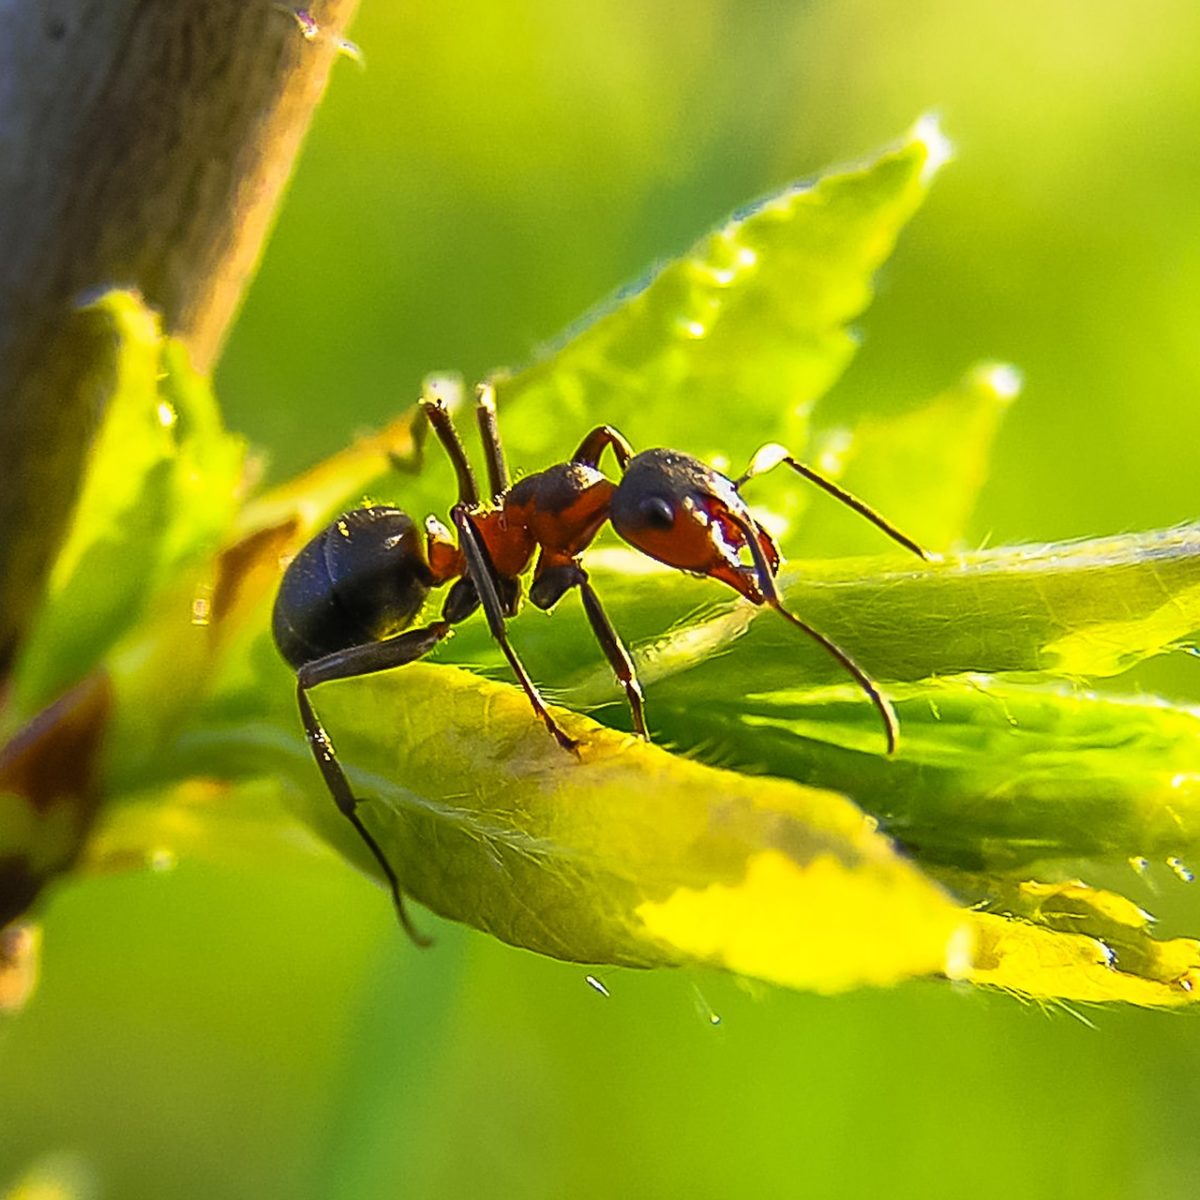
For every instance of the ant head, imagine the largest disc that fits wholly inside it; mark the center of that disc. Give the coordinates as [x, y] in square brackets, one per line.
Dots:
[676, 509]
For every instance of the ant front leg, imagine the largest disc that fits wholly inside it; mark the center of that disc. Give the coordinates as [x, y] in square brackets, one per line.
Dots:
[366, 659]
[439, 417]
[488, 585]
[772, 455]
[489, 433]
[617, 654]
[550, 585]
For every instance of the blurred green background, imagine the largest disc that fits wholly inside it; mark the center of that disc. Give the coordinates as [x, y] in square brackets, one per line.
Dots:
[261, 1030]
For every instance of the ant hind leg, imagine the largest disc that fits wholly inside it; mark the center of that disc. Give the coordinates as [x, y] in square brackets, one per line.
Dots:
[348, 664]
[617, 654]
[553, 582]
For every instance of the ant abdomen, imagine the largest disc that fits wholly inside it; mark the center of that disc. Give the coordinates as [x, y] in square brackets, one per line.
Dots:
[362, 578]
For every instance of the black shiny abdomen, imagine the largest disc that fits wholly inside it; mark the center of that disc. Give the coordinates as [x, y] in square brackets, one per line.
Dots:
[362, 578]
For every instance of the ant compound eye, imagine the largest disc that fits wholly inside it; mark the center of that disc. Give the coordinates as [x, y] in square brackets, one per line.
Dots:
[657, 511]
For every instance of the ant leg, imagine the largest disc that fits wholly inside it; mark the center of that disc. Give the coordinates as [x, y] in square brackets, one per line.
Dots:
[617, 654]
[772, 455]
[347, 664]
[550, 585]
[766, 583]
[483, 575]
[489, 433]
[593, 446]
[439, 417]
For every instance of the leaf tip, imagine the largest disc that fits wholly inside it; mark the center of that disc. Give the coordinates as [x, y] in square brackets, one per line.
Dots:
[939, 149]
[1002, 380]
[124, 309]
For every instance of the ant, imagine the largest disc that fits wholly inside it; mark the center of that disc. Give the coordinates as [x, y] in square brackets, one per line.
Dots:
[348, 598]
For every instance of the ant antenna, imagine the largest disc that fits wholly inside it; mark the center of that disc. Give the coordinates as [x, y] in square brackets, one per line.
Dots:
[772, 454]
[766, 584]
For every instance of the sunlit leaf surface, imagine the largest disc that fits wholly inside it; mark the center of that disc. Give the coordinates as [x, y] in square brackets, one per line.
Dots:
[622, 854]
[813, 860]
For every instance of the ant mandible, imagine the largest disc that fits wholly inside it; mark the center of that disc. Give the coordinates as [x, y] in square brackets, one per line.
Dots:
[347, 599]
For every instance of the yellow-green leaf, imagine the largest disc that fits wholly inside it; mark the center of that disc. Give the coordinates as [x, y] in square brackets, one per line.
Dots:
[728, 345]
[625, 854]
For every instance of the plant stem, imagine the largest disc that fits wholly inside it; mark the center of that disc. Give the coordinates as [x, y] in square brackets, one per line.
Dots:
[145, 144]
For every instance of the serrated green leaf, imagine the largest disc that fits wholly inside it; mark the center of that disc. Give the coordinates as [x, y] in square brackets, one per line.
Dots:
[924, 469]
[728, 346]
[633, 856]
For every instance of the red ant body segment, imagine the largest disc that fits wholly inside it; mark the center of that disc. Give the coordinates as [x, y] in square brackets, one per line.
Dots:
[347, 600]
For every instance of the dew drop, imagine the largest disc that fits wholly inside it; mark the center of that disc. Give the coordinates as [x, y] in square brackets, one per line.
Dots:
[1004, 379]
[938, 147]
[162, 858]
[704, 1010]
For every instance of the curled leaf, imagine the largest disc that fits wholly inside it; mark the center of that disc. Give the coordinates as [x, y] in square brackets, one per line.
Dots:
[991, 774]
[1092, 607]
[1030, 960]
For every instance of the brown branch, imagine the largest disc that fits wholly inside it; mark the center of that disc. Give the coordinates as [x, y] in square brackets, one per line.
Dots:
[142, 143]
